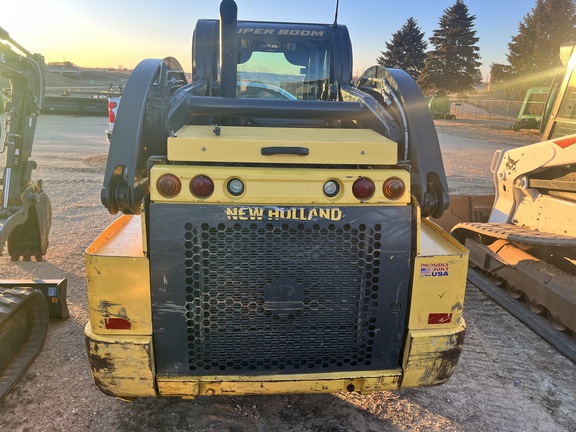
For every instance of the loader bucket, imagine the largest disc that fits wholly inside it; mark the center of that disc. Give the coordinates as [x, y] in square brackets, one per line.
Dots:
[466, 208]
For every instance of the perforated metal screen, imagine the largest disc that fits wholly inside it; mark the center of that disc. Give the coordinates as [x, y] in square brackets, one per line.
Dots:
[279, 296]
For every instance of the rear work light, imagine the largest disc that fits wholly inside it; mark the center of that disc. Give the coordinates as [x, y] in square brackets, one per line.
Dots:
[168, 185]
[363, 188]
[235, 187]
[331, 188]
[393, 188]
[201, 186]
[111, 116]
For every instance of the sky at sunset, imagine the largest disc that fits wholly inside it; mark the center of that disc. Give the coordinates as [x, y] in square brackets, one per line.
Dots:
[108, 33]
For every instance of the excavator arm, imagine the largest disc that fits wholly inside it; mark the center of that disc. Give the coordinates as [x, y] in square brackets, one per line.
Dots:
[25, 212]
[25, 216]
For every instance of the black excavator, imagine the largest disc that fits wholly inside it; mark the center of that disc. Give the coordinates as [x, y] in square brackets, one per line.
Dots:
[25, 218]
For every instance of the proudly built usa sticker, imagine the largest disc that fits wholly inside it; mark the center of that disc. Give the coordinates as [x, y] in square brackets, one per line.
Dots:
[434, 269]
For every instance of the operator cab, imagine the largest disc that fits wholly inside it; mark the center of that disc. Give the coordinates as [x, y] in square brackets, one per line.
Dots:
[279, 60]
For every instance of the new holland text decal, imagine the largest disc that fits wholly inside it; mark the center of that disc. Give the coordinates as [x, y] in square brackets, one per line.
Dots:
[434, 269]
[279, 213]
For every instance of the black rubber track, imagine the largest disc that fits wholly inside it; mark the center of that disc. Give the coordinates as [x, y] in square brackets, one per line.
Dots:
[23, 327]
[563, 342]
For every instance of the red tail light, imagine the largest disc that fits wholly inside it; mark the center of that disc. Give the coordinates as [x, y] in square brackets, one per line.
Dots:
[111, 115]
[168, 185]
[363, 188]
[202, 186]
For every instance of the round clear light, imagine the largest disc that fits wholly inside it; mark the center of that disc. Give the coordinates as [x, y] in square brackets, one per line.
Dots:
[331, 188]
[236, 187]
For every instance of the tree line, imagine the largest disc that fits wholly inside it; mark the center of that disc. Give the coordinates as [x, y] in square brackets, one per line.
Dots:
[452, 65]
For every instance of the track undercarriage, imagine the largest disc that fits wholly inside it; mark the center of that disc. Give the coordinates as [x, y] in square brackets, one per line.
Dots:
[534, 268]
[527, 245]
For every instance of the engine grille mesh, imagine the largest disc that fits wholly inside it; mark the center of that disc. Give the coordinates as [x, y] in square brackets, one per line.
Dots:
[231, 328]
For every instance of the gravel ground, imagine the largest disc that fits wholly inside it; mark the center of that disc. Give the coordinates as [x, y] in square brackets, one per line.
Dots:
[508, 379]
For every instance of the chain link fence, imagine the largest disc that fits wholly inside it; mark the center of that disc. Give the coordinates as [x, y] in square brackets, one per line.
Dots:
[485, 109]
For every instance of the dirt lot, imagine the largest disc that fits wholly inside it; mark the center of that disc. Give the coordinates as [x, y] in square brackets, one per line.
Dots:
[508, 379]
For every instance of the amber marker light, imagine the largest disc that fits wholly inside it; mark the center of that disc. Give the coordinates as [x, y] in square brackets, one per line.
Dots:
[363, 188]
[201, 186]
[168, 185]
[393, 188]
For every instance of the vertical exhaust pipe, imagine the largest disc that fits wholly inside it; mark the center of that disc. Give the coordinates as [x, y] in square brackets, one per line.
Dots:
[228, 48]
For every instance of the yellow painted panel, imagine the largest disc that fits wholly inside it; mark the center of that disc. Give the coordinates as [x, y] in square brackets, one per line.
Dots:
[121, 366]
[278, 186]
[244, 144]
[439, 280]
[431, 355]
[118, 279]
[436, 241]
[123, 237]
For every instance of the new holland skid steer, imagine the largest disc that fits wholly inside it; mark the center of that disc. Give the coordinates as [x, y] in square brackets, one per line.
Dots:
[275, 235]
[25, 217]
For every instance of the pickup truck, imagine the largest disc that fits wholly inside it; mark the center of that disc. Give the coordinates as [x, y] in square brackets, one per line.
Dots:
[113, 103]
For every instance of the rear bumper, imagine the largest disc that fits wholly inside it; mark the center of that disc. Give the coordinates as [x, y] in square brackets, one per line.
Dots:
[123, 366]
[432, 355]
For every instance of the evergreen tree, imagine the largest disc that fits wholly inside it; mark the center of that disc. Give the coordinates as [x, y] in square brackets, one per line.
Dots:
[453, 65]
[501, 78]
[406, 50]
[533, 52]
